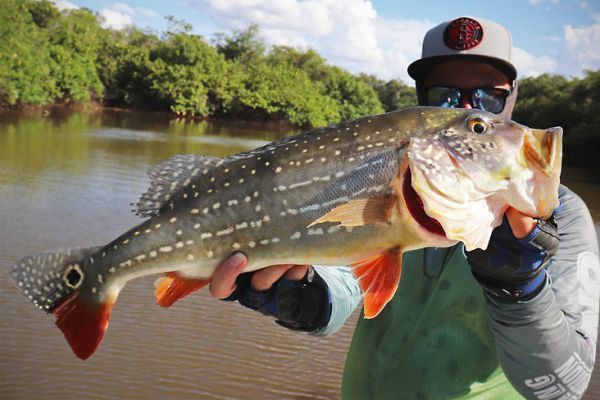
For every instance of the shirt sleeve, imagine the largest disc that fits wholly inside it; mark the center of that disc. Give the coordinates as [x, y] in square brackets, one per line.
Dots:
[344, 293]
[547, 345]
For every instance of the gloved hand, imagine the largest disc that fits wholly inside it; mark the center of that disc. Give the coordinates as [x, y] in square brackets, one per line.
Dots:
[512, 268]
[303, 305]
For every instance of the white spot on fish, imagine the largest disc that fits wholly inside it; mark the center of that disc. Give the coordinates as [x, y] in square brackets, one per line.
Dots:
[196, 226]
[189, 242]
[318, 231]
[232, 203]
[251, 244]
[190, 257]
[210, 254]
[172, 220]
[236, 246]
[243, 225]
[257, 208]
[241, 180]
[205, 210]
[310, 208]
[153, 254]
[100, 278]
[227, 231]
[275, 240]
[179, 245]
[205, 235]
[264, 242]
[179, 232]
[247, 199]
[278, 170]
[296, 235]
[166, 249]
[333, 229]
[127, 263]
[266, 218]
[216, 206]
[111, 270]
[299, 184]
[140, 258]
[194, 211]
[136, 233]
[125, 241]
[94, 290]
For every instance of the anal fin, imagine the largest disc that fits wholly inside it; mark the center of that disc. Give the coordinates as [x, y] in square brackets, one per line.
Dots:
[378, 278]
[172, 287]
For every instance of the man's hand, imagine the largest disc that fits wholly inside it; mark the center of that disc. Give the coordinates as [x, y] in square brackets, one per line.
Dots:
[512, 266]
[223, 282]
[293, 294]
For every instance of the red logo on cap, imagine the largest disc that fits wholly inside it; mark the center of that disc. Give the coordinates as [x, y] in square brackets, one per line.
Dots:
[463, 34]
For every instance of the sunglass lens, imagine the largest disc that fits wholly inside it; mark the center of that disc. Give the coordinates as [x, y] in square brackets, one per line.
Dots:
[439, 96]
[491, 100]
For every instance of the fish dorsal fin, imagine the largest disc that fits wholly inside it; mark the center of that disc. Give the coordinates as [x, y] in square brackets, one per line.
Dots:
[169, 177]
[378, 278]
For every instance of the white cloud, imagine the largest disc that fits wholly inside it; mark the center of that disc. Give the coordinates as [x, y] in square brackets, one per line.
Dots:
[114, 19]
[122, 8]
[528, 64]
[349, 33]
[127, 9]
[581, 47]
[64, 5]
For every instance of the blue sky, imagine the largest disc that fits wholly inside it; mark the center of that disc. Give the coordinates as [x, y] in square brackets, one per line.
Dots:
[381, 36]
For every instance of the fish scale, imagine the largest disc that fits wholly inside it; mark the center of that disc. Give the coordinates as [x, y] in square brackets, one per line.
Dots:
[357, 193]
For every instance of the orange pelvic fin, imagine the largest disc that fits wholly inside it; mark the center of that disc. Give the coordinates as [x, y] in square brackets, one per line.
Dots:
[172, 287]
[359, 212]
[83, 323]
[378, 278]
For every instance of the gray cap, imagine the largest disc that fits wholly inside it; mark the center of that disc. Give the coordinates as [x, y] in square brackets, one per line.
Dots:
[466, 38]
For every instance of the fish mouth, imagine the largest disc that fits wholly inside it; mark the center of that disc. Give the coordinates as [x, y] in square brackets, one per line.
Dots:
[414, 204]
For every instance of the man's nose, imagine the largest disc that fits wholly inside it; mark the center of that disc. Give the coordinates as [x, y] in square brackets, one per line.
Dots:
[465, 101]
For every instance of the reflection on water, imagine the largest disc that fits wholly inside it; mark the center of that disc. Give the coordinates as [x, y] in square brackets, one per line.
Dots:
[67, 182]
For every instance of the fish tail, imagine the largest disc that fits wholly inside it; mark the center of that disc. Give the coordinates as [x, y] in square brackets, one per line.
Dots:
[172, 287]
[61, 283]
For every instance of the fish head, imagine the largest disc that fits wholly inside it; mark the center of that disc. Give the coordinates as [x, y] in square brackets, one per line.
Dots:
[468, 171]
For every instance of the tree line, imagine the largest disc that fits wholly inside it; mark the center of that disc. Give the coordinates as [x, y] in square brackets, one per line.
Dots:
[53, 57]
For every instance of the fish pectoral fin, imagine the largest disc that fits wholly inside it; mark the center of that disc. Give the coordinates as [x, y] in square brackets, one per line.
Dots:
[378, 278]
[172, 287]
[359, 212]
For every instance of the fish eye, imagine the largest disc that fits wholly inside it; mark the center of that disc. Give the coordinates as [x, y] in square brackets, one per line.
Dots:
[478, 126]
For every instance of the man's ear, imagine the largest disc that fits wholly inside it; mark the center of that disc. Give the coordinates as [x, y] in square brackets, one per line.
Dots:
[509, 106]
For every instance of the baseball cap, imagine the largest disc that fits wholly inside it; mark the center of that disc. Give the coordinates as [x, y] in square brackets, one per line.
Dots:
[466, 38]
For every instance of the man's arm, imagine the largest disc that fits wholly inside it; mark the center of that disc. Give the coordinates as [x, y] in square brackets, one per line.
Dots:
[546, 345]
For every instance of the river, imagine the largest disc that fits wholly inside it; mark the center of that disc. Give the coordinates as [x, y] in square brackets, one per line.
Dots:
[67, 180]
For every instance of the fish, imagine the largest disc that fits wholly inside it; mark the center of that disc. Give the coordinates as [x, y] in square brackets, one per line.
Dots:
[357, 193]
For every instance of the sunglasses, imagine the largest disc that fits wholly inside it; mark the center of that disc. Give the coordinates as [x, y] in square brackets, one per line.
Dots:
[485, 99]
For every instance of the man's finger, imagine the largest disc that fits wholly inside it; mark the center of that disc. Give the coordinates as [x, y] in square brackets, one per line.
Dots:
[521, 224]
[222, 283]
[296, 273]
[264, 278]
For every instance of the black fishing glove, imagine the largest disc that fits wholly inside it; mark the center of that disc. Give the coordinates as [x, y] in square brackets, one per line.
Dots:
[512, 268]
[303, 305]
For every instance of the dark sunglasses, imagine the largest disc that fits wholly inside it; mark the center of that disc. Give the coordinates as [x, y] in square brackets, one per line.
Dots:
[486, 99]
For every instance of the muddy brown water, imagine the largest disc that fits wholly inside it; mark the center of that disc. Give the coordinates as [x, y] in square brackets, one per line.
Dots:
[67, 181]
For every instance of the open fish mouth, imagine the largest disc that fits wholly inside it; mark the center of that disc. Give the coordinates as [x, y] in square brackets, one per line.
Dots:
[415, 206]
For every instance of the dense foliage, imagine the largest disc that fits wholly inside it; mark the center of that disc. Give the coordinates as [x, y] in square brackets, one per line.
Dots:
[48, 57]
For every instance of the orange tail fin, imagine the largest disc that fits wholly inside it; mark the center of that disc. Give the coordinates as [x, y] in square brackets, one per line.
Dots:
[82, 323]
[172, 287]
[378, 278]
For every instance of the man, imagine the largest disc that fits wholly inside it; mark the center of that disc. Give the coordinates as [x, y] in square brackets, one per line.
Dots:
[530, 331]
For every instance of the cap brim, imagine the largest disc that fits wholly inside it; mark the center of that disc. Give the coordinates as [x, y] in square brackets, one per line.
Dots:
[419, 68]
